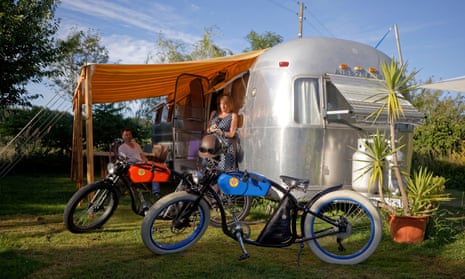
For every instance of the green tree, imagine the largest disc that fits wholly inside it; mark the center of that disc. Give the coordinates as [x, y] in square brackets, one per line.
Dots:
[206, 48]
[37, 130]
[168, 51]
[266, 40]
[27, 47]
[444, 127]
[78, 49]
[58, 133]
[108, 120]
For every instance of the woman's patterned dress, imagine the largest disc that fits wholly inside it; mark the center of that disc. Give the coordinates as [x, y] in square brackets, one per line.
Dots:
[228, 159]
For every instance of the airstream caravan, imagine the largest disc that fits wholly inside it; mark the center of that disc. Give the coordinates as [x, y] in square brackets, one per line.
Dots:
[303, 108]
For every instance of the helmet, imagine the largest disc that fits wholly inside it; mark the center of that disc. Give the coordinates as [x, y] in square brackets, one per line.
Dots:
[211, 146]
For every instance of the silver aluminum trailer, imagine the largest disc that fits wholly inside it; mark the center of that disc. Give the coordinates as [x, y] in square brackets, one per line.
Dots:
[304, 105]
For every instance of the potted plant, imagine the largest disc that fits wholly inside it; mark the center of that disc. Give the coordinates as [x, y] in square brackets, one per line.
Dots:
[425, 193]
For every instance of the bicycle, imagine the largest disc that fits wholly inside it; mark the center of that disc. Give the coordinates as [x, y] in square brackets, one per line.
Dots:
[93, 205]
[339, 226]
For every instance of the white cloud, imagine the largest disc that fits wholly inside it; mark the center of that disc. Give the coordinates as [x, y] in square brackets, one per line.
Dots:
[146, 19]
[126, 50]
[109, 10]
[151, 17]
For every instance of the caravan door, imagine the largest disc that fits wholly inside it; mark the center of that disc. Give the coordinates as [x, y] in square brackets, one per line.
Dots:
[189, 117]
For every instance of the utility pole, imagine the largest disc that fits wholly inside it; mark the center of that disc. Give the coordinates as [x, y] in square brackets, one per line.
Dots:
[301, 19]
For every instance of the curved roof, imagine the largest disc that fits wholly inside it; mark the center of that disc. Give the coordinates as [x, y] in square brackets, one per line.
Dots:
[320, 55]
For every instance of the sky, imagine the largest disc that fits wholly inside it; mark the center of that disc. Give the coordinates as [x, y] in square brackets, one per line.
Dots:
[431, 32]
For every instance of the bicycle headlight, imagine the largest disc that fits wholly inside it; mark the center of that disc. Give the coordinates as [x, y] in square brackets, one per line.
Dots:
[197, 176]
[111, 168]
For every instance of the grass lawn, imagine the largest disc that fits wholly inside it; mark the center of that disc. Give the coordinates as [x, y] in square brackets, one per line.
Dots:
[35, 244]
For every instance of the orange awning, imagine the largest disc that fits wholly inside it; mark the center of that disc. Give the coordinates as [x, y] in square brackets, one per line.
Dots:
[108, 83]
[118, 82]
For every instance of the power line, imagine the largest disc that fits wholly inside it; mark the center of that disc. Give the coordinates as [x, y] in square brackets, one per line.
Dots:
[313, 16]
[282, 6]
[304, 19]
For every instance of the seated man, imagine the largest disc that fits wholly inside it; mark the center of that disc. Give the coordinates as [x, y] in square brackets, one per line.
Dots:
[133, 151]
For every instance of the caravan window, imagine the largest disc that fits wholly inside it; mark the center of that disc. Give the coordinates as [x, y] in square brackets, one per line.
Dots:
[337, 106]
[306, 100]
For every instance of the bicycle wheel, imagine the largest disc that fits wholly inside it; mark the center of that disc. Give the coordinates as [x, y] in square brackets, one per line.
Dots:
[239, 205]
[173, 225]
[90, 207]
[355, 239]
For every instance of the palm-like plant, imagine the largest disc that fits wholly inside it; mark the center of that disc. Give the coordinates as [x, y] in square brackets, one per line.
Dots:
[376, 152]
[426, 192]
[398, 84]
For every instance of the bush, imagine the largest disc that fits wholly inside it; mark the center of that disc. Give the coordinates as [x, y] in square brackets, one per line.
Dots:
[36, 163]
[443, 226]
[452, 170]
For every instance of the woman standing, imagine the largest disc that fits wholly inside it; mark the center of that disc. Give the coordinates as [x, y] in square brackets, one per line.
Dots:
[224, 123]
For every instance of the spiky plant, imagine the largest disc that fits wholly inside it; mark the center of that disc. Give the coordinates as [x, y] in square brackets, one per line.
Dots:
[376, 151]
[425, 192]
[398, 84]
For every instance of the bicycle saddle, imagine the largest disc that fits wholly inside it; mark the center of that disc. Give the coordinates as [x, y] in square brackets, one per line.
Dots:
[293, 181]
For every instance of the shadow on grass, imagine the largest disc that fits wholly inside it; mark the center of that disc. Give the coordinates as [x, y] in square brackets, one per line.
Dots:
[14, 265]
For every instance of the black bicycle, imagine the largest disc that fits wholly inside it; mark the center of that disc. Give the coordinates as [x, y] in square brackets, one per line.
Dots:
[339, 226]
[93, 205]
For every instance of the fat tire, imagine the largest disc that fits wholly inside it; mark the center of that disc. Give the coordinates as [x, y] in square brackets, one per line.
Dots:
[366, 228]
[75, 209]
[158, 229]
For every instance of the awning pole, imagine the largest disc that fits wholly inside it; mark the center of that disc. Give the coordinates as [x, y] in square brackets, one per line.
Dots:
[89, 127]
[77, 166]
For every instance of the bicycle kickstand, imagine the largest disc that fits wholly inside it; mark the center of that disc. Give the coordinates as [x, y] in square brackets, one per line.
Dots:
[245, 254]
[239, 233]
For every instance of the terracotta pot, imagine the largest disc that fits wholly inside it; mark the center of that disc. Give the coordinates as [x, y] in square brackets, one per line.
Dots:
[407, 229]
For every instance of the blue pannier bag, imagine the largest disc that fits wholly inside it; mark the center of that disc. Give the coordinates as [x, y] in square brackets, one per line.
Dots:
[232, 183]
